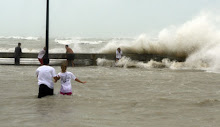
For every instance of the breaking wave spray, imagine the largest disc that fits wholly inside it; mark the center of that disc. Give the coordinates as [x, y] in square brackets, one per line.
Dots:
[198, 40]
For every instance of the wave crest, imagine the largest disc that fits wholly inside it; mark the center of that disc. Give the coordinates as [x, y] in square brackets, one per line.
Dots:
[19, 37]
[198, 40]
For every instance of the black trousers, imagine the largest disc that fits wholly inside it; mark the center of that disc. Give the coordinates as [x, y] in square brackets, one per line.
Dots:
[44, 90]
[17, 60]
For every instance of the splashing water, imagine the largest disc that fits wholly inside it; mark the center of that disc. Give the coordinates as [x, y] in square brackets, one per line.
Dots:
[198, 40]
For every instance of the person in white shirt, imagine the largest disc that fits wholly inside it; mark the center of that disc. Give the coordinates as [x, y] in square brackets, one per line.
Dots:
[118, 54]
[45, 75]
[65, 77]
[41, 55]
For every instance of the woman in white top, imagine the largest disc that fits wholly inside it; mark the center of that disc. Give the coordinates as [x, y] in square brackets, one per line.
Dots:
[118, 54]
[65, 77]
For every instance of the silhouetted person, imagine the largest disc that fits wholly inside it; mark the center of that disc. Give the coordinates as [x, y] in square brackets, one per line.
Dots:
[18, 52]
[69, 55]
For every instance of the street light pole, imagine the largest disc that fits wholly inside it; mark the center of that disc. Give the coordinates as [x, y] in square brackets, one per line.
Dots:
[47, 30]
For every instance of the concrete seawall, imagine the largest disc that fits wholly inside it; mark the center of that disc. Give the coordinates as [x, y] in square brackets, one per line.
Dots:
[90, 58]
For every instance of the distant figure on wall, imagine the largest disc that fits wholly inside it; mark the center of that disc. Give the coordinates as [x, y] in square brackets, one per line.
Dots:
[69, 55]
[118, 54]
[41, 55]
[17, 55]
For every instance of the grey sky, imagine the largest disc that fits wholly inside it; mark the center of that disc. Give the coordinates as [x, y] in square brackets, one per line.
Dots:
[69, 18]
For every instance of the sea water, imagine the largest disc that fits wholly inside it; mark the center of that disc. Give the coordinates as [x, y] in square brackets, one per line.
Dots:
[124, 94]
[112, 97]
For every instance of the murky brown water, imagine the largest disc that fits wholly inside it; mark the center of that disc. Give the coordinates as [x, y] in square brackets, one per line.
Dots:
[113, 97]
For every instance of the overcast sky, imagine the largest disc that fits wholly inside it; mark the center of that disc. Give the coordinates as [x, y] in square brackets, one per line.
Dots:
[69, 18]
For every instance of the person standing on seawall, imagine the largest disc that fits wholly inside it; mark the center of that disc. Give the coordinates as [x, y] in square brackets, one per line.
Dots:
[118, 54]
[17, 54]
[69, 55]
[41, 55]
[46, 75]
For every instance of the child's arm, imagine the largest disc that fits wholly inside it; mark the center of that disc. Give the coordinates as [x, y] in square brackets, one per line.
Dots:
[79, 81]
[56, 78]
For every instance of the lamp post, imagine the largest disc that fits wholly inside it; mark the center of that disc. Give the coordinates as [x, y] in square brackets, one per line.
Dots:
[47, 30]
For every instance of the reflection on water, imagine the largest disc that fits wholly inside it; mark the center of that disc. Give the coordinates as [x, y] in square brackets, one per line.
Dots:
[112, 97]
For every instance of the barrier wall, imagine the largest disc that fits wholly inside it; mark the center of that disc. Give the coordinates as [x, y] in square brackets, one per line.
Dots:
[91, 57]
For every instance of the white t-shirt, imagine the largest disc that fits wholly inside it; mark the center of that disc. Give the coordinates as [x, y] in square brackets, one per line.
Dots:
[65, 79]
[45, 75]
[41, 54]
[118, 54]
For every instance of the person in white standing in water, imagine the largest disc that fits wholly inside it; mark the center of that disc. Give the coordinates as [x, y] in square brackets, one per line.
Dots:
[45, 75]
[118, 54]
[41, 55]
[65, 76]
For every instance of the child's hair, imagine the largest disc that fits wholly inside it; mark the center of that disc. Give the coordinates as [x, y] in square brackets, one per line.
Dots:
[63, 67]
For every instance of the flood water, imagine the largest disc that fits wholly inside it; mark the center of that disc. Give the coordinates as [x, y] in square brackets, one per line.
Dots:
[112, 97]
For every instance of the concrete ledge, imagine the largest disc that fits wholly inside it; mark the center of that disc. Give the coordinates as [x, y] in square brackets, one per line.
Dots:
[90, 58]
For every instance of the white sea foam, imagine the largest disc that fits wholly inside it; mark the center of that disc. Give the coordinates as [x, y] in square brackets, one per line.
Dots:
[19, 37]
[105, 62]
[180, 40]
[30, 50]
[33, 50]
[126, 62]
[76, 41]
[7, 49]
[197, 39]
